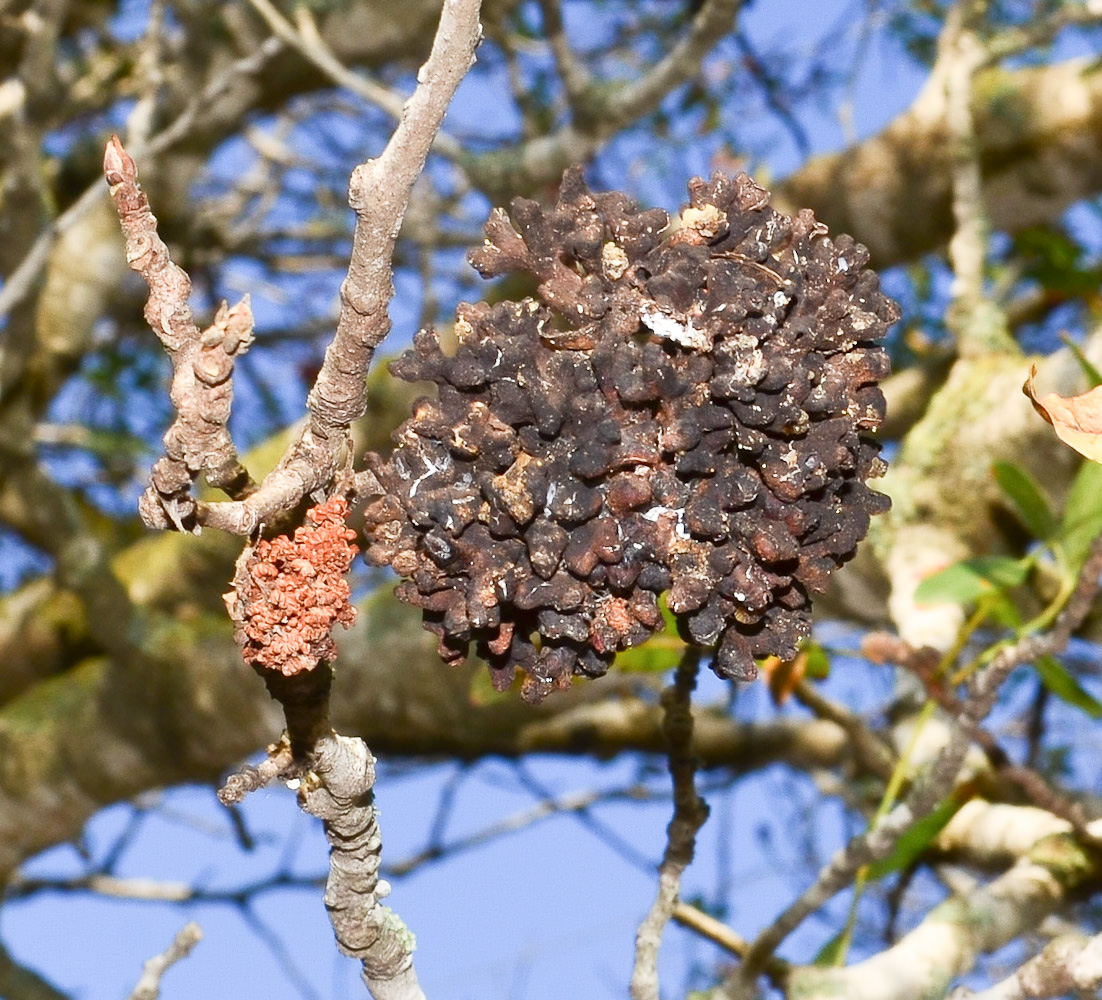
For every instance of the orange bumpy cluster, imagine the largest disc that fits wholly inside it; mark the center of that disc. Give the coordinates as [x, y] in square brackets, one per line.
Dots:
[295, 591]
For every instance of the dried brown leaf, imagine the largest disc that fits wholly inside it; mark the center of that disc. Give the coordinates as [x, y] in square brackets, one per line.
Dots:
[1077, 420]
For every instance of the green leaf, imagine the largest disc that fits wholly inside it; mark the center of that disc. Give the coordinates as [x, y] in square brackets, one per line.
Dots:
[817, 665]
[1027, 498]
[967, 581]
[1001, 609]
[1055, 676]
[659, 653]
[834, 951]
[482, 692]
[918, 838]
[1094, 376]
[1082, 514]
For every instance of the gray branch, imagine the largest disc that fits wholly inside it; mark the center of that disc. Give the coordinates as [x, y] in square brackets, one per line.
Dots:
[149, 986]
[338, 792]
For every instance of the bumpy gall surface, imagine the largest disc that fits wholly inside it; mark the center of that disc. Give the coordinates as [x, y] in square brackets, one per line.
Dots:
[294, 591]
[678, 413]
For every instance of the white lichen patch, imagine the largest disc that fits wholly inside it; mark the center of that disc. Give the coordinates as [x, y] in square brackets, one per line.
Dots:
[861, 321]
[614, 261]
[672, 513]
[463, 329]
[748, 359]
[669, 328]
[708, 220]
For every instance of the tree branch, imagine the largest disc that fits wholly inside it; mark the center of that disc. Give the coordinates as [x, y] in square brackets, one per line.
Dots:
[202, 361]
[689, 813]
[20, 983]
[1072, 963]
[925, 962]
[338, 791]
[881, 838]
[193, 710]
[539, 161]
[21, 281]
[975, 320]
[893, 191]
[149, 986]
[307, 40]
[379, 193]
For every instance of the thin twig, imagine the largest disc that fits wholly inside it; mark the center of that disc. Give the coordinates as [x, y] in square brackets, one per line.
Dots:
[277, 948]
[202, 361]
[880, 839]
[577, 81]
[694, 919]
[604, 832]
[543, 158]
[21, 281]
[277, 764]
[149, 70]
[149, 986]
[973, 317]
[379, 192]
[1036, 788]
[1039, 31]
[307, 41]
[872, 750]
[689, 813]
[714, 20]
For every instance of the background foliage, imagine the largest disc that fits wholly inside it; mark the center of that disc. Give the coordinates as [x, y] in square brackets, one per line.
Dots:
[523, 841]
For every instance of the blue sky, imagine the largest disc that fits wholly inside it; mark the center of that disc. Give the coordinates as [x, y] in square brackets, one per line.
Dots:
[548, 912]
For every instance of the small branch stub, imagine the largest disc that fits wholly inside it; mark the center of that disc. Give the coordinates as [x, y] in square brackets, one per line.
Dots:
[198, 442]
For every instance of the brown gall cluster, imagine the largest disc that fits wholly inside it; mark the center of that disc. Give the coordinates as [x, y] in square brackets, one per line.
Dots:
[681, 410]
[292, 593]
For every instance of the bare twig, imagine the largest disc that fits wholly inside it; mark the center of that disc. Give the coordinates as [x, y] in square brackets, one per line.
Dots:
[604, 832]
[716, 931]
[708, 927]
[379, 192]
[714, 20]
[576, 79]
[278, 950]
[149, 986]
[202, 361]
[20, 282]
[1068, 964]
[542, 159]
[984, 688]
[1038, 31]
[307, 40]
[880, 839]
[874, 753]
[977, 322]
[774, 88]
[690, 812]
[1037, 789]
[924, 663]
[338, 791]
[277, 764]
[150, 74]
